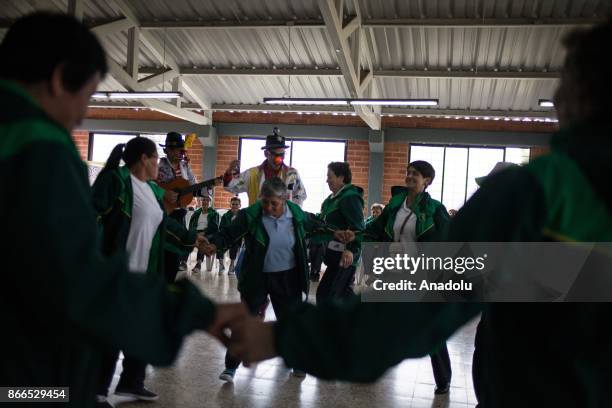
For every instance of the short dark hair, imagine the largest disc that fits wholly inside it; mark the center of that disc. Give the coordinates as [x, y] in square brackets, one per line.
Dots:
[235, 199]
[38, 43]
[273, 187]
[341, 169]
[424, 168]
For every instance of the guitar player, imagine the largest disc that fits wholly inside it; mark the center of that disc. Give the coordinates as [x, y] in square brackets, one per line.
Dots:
[172, 166]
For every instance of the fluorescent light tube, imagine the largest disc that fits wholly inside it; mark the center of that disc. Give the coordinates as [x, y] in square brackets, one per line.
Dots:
[395, 102]
[546, 104]
[305, 101]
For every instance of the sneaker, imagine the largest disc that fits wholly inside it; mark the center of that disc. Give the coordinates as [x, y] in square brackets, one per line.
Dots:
[102, 402]
[196, 268]
[182, 266]
[298, 373]
[228, 375]
[139, 393]
[221, 268]
[231, 268]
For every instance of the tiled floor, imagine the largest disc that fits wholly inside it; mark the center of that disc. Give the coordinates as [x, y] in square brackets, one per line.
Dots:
[193, 380]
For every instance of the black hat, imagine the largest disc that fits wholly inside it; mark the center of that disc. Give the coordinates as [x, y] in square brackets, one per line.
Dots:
[274, 141]
[173, 139]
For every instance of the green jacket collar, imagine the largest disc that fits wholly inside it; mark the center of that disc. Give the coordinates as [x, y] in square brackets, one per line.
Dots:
[331, 202]
[423, 206]
[127, 195]
[255, 226]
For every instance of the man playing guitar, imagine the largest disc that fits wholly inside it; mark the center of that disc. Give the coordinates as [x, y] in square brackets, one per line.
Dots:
[171, 167]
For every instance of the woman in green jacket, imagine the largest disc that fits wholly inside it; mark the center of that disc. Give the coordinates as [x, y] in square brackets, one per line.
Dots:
[413, 216]
[342, 210]
[132, 219]
[275, 261]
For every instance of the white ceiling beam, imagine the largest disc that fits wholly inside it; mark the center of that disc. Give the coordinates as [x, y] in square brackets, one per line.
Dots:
[346, 57]
[365, 23]
[365, 80]
[177, 86]
[475, 74]
[133, 52]
[75, 8]
[385, 111]
[248, 71]
[158, 79]
[479, 22]
[159, 52]
[379, 23]
[117, 72]
[384, 73]
[112, 27]
[344, 110]
[198, 97]
[350, 27]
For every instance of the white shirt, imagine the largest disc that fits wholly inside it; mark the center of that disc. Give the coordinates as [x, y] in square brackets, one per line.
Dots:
[146, 217]
[202, 221]
[409, 233]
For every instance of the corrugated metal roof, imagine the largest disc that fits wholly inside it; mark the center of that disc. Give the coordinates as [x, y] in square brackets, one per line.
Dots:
[531, 49]
[259, 48]
[393, 9]
[460, 93]
[534, 49]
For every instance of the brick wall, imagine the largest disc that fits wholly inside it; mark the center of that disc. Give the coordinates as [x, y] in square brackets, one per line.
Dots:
[81, 139]
[394, 172]
[196, 154]
[537, 151]
[227, 150]
[358, 157]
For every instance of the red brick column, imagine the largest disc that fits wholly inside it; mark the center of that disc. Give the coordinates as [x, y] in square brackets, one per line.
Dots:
[395, 162]
[227, 150]
[358, 157]
[81, 140]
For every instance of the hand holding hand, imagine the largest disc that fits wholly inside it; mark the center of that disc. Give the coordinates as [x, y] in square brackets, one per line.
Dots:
[347, 259]
[226, 315]
[344, 236]
[252, 340]
[201, 239]
[208, 249]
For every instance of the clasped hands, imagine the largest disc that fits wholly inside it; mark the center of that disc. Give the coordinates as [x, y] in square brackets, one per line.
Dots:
[345, 236]
[246, 337]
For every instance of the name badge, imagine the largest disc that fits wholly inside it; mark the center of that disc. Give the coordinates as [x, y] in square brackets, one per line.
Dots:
[336, 246]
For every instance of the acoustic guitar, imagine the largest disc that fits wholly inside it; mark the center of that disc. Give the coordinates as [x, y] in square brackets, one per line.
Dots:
[185, 191]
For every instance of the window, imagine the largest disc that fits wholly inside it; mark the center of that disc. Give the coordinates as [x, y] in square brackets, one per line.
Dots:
[104, 143]
[309, 157]
[458, 166]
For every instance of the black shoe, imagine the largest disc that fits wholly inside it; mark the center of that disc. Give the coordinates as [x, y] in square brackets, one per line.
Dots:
[102, 402]
[139, 393]
[314, 277]
[442, 390]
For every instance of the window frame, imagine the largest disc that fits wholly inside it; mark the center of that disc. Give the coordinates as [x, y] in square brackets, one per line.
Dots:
[465, 146]
[291, 140]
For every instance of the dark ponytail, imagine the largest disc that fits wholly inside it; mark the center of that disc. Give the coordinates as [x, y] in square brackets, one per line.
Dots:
[130, 152]
[115, 157]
